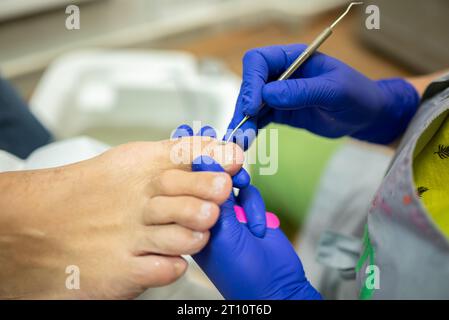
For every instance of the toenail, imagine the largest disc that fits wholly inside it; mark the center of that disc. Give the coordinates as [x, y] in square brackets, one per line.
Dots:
[206, 210]
[219, 183]
[198, 236]
[179, 267]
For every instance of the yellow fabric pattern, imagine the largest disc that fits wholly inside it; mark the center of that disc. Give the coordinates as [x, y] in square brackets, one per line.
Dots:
[431, 171]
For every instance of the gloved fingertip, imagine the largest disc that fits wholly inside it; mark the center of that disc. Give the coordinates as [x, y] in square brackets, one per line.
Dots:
[207, 131]
[206, 163]
[250, 110]
[258, 230]
[244, 138]
[183, 130]
[234, 138]
[241, 179]
[252, 202]
[251, 102]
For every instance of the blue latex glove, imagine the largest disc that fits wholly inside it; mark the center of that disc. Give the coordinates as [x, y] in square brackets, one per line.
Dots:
[243, 266]
[240, 262]
[256, 221]
[325, 96]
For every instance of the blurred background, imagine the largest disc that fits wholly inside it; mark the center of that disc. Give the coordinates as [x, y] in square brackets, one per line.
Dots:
[138, 68]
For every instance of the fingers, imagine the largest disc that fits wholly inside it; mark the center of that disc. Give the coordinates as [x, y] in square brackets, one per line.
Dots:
[185, 130]
[280, 58]
[241, 179]
[171, 239]
[252, 202]
[154, 271]
[207, 131]
[181, 152]
[212, 186]
[256, 72]
[300, 93]
[182, 131]
[245, 135]
[260, 66]
[264, 65]
[190, 212]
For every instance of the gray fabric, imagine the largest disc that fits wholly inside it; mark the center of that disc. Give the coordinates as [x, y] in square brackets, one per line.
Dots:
[339, 252]
[409, 250]
[341, 203]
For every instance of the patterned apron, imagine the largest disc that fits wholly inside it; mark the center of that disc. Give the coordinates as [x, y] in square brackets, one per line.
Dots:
[404, 253]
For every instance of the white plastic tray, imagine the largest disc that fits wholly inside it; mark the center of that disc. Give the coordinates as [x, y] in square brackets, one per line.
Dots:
[120, 96]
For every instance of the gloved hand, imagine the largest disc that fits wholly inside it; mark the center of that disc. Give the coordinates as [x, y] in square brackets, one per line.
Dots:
[325, 96]
[257, 223]
[243, 266]
[241, 263]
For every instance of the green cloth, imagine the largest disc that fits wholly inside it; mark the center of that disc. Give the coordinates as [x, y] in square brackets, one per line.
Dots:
[302, 160]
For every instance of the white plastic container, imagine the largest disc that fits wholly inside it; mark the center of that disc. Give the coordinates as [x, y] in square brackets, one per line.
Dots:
[121, 96]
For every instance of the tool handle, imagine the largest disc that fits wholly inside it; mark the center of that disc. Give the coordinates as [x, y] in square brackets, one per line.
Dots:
[311, 49]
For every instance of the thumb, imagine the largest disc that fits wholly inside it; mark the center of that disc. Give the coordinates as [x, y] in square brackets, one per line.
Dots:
[298, 93]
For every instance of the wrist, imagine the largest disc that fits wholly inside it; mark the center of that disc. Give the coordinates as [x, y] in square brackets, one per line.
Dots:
[400, 101]
[422, 83]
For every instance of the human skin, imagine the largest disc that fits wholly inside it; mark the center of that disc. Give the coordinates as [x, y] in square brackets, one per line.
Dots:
[422, 82]
[123, 218]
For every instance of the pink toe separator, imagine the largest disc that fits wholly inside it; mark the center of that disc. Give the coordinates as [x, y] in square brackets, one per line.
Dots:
[272, 220]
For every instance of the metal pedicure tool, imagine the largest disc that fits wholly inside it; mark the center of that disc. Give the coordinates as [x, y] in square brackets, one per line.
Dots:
[309, 51]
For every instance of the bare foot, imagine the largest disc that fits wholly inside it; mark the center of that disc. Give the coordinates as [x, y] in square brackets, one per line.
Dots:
[122, 219]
